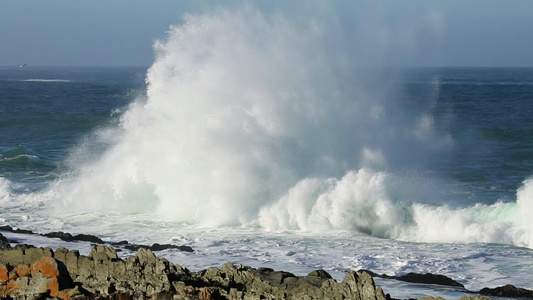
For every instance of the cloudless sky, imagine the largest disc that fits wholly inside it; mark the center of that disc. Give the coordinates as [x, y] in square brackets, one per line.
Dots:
[397, 33]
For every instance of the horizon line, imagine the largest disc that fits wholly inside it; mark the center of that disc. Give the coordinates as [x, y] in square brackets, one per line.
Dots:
[364, 67]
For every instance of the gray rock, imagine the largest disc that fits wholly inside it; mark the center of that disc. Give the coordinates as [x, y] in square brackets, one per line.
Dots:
[100, 252]
[317, 277]
[85, 268]
[102, 274]
[241, 282]
[32, 255]
[61, 254]
[71, 262]
[12, 256]
[360, 285]
[476, 297]
[118, 270]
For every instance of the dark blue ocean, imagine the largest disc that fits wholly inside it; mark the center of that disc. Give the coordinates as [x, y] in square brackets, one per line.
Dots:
[46, 111]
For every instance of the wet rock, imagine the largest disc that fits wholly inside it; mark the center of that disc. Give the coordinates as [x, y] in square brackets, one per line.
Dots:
[135, 247]
[121, 243]
[6, 228]
[427, 278]
[88, 238]
[67, 237]
[4, 244]
[507, 291]
[15, 230]
[157, 247]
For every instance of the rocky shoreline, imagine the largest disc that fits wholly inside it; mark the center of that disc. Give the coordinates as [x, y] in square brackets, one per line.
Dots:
[27, 272]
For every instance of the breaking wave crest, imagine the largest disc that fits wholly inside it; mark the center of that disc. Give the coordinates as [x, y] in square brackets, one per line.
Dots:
[365, 202]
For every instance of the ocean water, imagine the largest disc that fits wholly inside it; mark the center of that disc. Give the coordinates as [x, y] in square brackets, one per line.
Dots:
[253, 141]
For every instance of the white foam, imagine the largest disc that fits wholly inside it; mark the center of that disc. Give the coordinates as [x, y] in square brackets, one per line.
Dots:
[475, 265]
[242, 110]
[46, 80]
[366, 202]
[359, 202]
[498, 223]
[4, 190]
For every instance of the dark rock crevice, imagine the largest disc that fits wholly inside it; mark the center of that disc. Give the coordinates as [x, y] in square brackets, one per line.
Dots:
[67, 237]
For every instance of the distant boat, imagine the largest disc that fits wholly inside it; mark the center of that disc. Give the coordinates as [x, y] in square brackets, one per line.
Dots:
[22, 66]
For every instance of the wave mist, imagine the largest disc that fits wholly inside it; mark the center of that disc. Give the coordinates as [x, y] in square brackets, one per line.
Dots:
[254, 120]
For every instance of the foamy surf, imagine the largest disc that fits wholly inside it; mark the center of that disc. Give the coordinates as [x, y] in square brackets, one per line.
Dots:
[46, 80]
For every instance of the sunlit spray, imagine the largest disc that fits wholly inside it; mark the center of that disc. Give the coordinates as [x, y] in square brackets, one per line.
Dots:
[253, 120]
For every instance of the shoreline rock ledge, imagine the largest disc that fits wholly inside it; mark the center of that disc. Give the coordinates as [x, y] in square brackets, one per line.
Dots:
[40, 273]
[27, 272]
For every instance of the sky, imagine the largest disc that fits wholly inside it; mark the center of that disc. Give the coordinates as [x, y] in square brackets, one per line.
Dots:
[423, 33]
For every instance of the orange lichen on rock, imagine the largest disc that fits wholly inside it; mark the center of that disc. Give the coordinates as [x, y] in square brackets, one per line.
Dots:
[53, 286]
[22, 270]
[25, 280]
[204, 294]
[70, 293]
[46, 266]
[4, 273]
[65, 295]
[11, 288]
